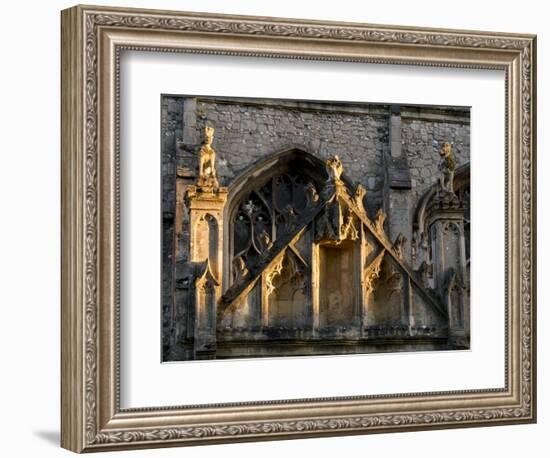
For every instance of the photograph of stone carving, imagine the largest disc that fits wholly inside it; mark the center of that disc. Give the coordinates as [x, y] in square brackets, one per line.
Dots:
[301, 228]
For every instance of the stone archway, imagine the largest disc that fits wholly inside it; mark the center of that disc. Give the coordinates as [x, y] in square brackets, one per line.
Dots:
[262, 205]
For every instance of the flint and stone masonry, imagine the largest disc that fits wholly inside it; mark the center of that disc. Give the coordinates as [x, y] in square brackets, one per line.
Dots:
[304, 228]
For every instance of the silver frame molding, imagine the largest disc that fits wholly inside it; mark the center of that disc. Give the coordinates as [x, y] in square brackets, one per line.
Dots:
[92, 39]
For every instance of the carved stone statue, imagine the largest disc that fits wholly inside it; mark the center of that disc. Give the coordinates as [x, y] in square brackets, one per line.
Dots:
[334, 168]
[207, 161]
[447, 167]
[289, 217]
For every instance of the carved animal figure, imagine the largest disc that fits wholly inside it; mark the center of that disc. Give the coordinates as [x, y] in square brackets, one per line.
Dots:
[447, 167]
[207, 160]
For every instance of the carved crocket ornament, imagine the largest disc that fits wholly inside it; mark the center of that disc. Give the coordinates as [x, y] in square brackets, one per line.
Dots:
[207, 161]
[358, 197]
[379, 220]
[447, 167]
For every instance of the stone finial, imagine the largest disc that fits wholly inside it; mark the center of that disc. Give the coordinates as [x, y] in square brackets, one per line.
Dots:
[207, 161]
[447, 167]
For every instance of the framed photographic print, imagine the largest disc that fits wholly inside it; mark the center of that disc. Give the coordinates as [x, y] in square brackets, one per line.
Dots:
[278, 228]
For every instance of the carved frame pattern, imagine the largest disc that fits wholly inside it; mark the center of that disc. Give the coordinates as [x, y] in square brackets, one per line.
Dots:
[92, 38]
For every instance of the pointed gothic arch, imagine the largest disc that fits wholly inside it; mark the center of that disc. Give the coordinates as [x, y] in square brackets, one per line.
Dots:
[262, 201]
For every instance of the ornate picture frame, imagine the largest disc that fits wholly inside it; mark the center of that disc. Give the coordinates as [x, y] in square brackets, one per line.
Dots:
[92, 40]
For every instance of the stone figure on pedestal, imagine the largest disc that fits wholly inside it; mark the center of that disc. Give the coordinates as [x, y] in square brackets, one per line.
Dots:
[207, 161]
[447, 167]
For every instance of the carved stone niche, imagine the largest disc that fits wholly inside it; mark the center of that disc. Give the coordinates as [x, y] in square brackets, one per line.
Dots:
[448, 252]
[184, 315]
[206, 293]
[455, 299]
[287, 292]
[206, 225]
[206, 249]
[437, 200]
[337, 255]
[339, 285]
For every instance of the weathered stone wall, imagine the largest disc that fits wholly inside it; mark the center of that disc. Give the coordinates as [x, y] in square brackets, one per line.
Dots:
[422, 141]
[395, 171]
[248, 132]
[171, 130]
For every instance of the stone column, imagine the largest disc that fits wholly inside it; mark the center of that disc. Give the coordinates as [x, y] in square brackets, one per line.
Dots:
[446, 226]
[397, 185]
[190, 135]
[408, 303]
[395, 131]
[206, 252]
[315, 288]
[366, 289]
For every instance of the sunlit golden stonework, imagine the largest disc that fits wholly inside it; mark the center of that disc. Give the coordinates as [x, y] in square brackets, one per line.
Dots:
[292, 257]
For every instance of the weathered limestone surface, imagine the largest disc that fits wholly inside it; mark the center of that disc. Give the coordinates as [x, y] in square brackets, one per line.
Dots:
[421, 143]
[391, 152]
